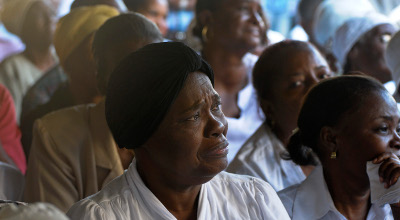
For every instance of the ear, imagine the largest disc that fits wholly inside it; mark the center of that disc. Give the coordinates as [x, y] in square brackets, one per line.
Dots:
[353, 54]
[205, 18]
[267, 107]
[328, 139]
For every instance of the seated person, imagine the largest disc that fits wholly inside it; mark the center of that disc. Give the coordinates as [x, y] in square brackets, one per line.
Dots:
[346, 121]
[73, 153]
[280, 88]
[33, 22]
[161, 103]
[360, 45]
[73, 43]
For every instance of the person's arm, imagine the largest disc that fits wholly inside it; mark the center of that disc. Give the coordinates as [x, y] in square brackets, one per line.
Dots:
[49, 175]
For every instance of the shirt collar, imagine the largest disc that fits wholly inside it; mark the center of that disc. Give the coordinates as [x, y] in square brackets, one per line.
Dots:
[313, 192]
[313, 200]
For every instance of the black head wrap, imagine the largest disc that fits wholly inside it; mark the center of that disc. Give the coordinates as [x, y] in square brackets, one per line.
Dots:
[144, 86]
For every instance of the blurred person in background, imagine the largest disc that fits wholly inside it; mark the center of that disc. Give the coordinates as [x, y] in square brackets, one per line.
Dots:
[33, 21]
[282, 77]
[73, 42]
[73, 152]
[360, 45]
[229, 31]
[155, 10]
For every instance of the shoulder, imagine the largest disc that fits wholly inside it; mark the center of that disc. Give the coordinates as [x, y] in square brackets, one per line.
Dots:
[288, 196]
[13, 62]
[72, 116]
[65, 127]
[108, 203]
[248, 185]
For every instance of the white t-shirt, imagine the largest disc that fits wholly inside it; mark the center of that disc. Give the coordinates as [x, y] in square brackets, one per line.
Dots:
[226, 196]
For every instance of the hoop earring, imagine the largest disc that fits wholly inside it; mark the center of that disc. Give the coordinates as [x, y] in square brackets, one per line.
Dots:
[333, 155]
[204, 32]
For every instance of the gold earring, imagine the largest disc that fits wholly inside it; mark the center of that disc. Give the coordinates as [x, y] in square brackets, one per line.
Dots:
[333, 155]
[204, 33]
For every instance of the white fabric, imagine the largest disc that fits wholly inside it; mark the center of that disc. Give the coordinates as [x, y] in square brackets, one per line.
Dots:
[274, 37]
[18, 74]
[11, 182]
[331, 14]
[351, 32]
[226, 196]
[261, 157]
[379, 194]
[311, 200]
[36, 211]
[392, 57]
[390, 87]
[298, 33]
[385, 6]
[251, 117]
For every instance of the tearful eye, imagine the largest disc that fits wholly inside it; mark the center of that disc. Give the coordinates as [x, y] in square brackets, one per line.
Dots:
[296, 84]
[217, 107]
[194, 117]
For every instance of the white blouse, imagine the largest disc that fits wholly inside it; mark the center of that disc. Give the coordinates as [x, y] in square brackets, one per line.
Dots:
[226, 196]
[251, 116]
[261, 156]
[311, 200]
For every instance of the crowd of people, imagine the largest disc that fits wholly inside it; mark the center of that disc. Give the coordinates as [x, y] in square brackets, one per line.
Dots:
[103, 117]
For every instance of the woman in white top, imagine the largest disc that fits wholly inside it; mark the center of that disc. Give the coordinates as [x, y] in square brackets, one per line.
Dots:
[346, 121]
[161, 103]
[229, 31]
[280, 88]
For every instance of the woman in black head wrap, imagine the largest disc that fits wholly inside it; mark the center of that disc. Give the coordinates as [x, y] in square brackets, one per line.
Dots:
[161, 102]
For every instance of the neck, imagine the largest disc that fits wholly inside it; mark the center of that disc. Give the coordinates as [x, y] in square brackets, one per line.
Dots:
[83, 94]
[41, 58]
[180, 200]
[230, 75]
[351, 197]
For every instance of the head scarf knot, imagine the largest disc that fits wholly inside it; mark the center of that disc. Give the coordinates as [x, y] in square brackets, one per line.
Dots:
[143, 87]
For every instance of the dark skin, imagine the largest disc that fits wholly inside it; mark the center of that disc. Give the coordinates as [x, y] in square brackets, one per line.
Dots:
[368, 54]
[361, 135]
[157, 11]
[301, 71]
[81, 70]
[188, 149]
[234, 29]
[37, 35]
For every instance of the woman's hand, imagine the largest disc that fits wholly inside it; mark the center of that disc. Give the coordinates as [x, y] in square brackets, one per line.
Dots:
[389, 171]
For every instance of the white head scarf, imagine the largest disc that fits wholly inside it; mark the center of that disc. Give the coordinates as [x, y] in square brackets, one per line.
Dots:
[392, 57]
[351, 32]
[331, 14]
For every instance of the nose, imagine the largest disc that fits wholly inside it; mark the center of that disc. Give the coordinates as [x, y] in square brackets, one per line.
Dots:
[216, 126]
[256, 18]
[394, 144]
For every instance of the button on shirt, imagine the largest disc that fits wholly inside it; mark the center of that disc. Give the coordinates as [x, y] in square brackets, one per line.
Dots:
[311, 200]
[226, 196]
[261, 156]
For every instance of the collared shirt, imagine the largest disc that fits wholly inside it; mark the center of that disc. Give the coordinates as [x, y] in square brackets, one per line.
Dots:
[226, 196]
[312, 200]
[261, 156]
[251, 116]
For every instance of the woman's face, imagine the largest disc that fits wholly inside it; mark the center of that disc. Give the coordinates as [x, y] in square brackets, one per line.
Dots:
[370, 58]
[299, 72]
[368, 131]
[39, 26]
[157, 12]
[190, 145]
[239, 22]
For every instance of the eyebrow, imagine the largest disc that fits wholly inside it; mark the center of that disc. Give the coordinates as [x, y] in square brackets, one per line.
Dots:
[198, 104]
